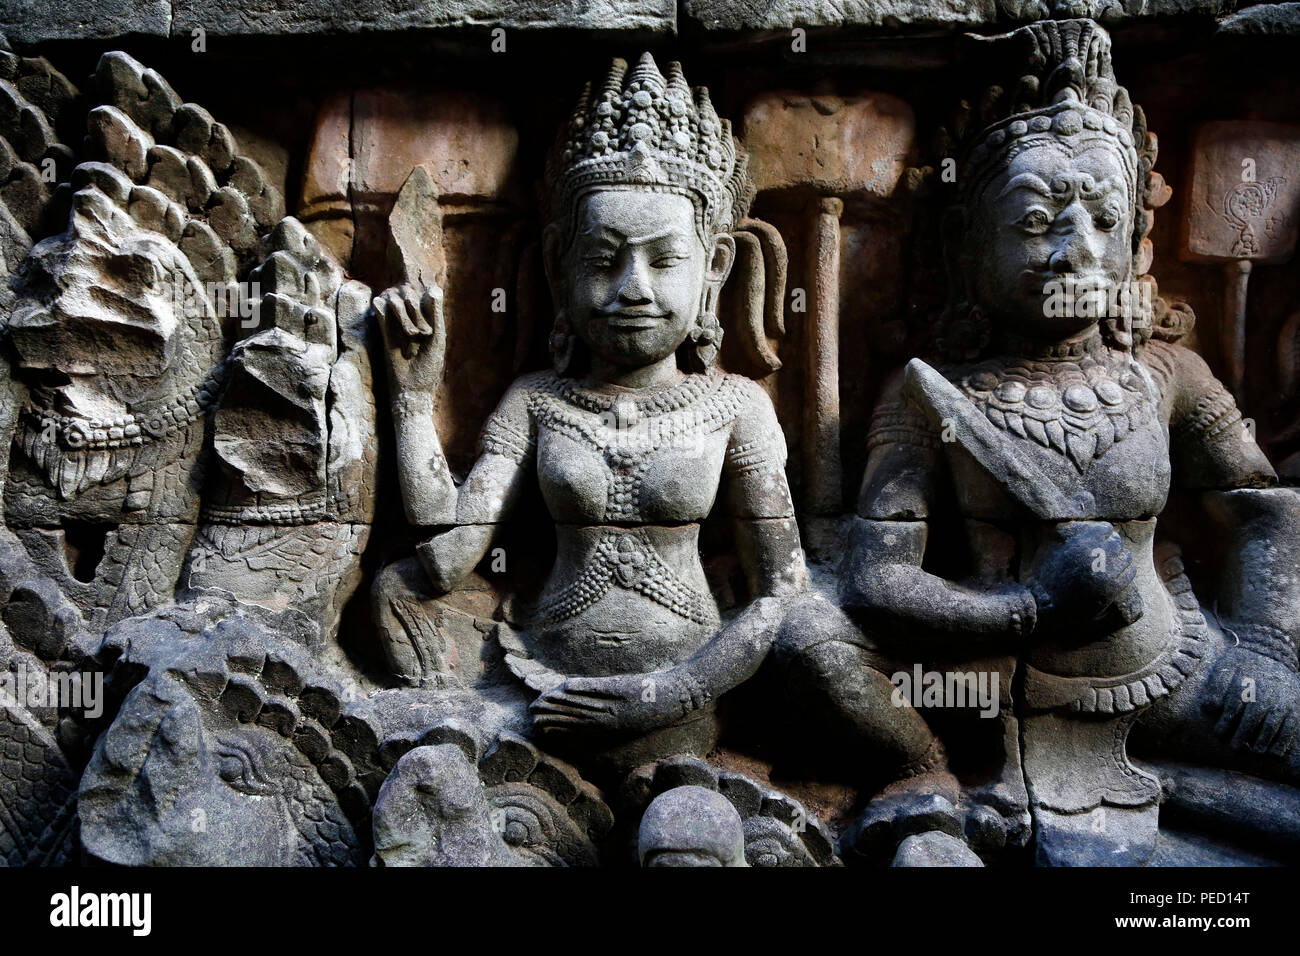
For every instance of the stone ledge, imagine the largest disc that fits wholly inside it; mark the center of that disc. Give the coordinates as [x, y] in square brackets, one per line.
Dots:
[36, 21]
[1264, 19]
[742, 15]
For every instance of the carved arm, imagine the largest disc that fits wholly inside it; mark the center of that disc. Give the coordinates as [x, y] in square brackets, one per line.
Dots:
[885, 587]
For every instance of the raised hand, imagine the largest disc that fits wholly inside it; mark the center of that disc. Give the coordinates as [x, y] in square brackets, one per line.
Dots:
[415, 336]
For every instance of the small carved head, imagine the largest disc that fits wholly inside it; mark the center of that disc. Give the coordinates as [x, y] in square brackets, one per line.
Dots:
[691, 826]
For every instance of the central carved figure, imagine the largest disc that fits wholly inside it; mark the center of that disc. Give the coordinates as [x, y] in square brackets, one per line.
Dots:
[630, 439]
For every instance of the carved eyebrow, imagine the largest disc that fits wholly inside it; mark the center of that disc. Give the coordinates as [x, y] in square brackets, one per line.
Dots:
[1026, 181]
[603, 233]
[613, 235]
[643, 240]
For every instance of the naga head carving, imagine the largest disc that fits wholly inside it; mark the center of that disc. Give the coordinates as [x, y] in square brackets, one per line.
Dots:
[231, 749]
[122, 320]
[440, 806]
[645, 185]
[96, 328]
[165, 789]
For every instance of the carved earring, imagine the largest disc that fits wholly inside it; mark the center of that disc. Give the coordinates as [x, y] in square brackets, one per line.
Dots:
[707, 333]
[561, 343]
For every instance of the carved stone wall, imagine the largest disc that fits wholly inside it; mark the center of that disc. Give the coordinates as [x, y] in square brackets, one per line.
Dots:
[493, 456]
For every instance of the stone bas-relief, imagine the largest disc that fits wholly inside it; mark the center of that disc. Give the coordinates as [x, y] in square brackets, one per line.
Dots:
[171, 446]
[598, 641]
[1055, 433]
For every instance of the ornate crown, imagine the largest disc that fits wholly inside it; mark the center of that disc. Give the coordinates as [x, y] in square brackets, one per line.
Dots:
[1062, 85]
[642, 128]
[1068, 90]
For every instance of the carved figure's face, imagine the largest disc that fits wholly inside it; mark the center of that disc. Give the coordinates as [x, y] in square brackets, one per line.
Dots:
[636, 273]
[95, 320]
[1056, 222]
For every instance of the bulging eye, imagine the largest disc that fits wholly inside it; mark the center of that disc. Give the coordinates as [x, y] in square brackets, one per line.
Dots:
[1107, 219]
[233, 769]
[1035, 221]
[237, 769]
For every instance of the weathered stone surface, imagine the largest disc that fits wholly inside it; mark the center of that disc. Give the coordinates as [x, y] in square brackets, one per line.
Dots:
[1242, 192]
[35, 21]
[24, 21]
[857, 145]
[367, 144]
[1263, 19]
[1242, 197]
[281, 609]
[1233, 803]
[826, 150]
[1182, 849]
[236, 17]
[935, 848]
[788, 14]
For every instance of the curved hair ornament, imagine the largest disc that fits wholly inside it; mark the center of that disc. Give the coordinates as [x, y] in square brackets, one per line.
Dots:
[753, 300]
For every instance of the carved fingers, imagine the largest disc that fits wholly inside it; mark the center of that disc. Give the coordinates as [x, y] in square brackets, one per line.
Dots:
[415, 336]
[583, 704]
[1113, 562]
[577, 704]
[1253, 696]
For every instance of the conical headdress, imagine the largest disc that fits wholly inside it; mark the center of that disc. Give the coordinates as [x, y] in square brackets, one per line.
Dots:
[1067, 88]
[641, 128]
